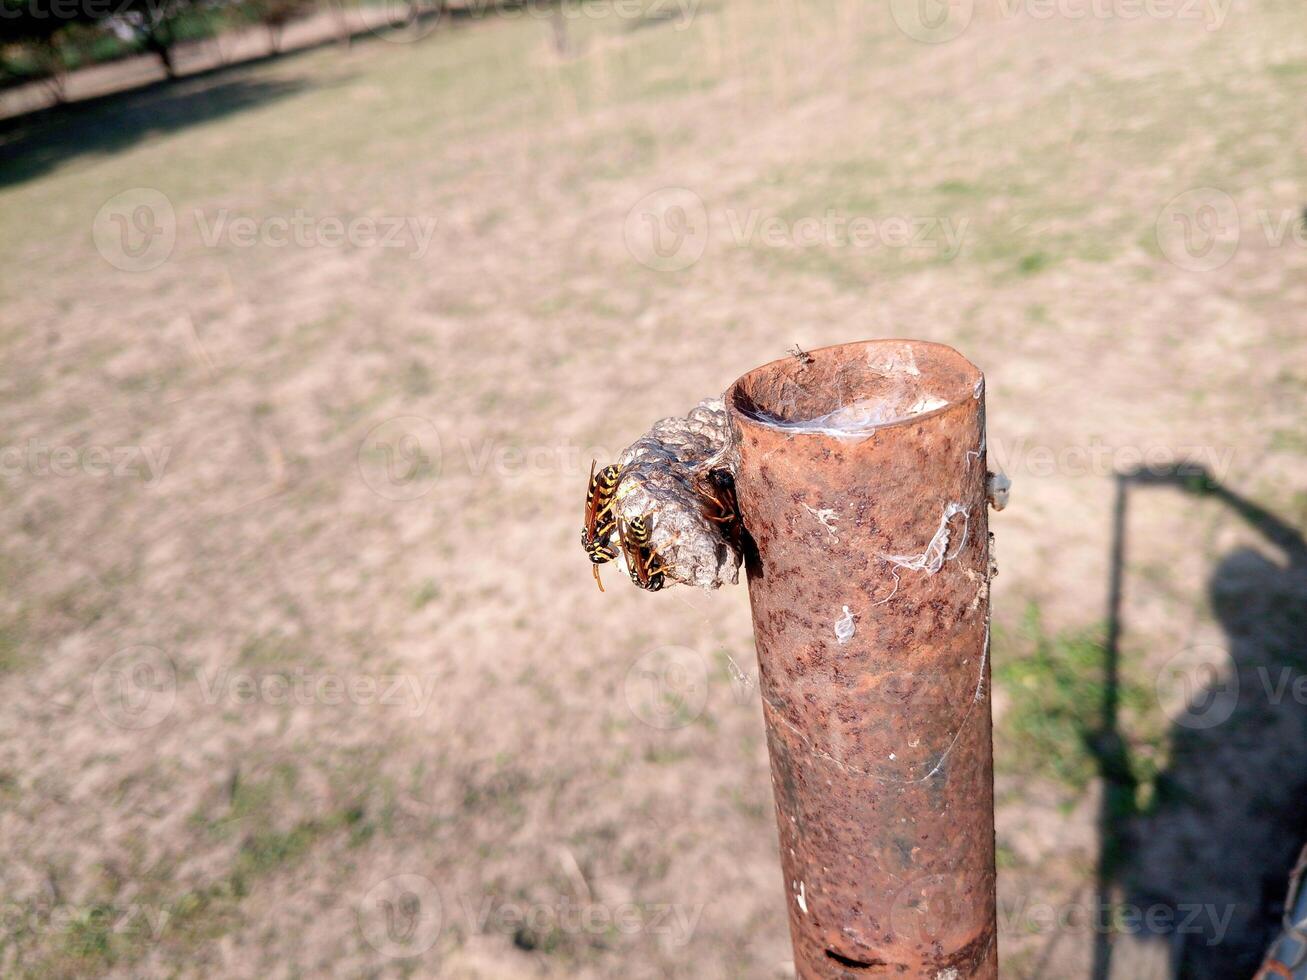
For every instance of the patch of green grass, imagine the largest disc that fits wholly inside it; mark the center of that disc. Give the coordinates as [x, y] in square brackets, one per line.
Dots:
[267, 846]
[426, 593]
[270, 651]
[1288, 440]
[1014, 225]
[1288, 69]
[1054, 726]
[204, 914]
[258, 799]
[500, 793]
[87, 944]
[1297, 509]
[200, 916]
[11, 643]
[90, 936]
[960, 188]
[416, 379]
[1033, 263]
[659, 754]
[268, 851]
[753, 809]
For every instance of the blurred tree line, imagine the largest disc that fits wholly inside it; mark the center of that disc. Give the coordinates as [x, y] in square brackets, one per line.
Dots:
[42, 40]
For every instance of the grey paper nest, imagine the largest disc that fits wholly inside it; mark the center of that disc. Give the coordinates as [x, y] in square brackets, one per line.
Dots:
[664, 474]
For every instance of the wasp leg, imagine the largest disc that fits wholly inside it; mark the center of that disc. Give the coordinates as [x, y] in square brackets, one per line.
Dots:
[655, 570]
[634, 563]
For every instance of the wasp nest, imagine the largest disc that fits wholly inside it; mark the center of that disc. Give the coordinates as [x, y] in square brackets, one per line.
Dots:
[679, 477]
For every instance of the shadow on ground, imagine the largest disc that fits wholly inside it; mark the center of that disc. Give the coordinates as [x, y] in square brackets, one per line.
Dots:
[34, 144]
[1216, 845]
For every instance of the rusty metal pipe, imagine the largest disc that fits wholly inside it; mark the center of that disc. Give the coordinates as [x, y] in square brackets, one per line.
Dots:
[862, 487]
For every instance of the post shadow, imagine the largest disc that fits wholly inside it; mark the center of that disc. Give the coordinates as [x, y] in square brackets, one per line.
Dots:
[1215, 845]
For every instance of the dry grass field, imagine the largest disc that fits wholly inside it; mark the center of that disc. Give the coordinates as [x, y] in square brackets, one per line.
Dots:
[304, 364]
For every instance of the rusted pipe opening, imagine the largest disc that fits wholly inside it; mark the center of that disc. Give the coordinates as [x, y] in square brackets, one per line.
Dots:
[838, 392]
[862, 486]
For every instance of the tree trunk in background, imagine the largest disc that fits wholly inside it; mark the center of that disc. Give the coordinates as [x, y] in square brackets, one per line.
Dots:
[343, 35]
[58, 79]
[160, 45]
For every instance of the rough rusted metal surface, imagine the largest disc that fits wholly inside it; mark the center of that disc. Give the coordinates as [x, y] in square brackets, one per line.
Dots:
[862, 484]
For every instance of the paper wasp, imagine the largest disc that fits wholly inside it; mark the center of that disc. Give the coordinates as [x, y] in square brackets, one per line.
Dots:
[597, 534]
[647, 568]
[718, 489]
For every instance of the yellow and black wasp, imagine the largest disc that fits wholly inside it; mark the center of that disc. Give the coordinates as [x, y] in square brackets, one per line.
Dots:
[597, 534]
[717, 488]
[646, 565]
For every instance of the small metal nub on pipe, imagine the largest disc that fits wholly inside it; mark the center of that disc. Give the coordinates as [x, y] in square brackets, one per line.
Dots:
[862, 486]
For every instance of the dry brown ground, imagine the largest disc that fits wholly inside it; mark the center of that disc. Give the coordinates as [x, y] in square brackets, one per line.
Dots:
[158, 819]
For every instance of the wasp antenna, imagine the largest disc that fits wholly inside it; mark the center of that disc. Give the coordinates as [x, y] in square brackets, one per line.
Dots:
[598, 580]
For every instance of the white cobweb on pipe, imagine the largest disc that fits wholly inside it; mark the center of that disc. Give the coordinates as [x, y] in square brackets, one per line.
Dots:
[932, 559]
[844, 628]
